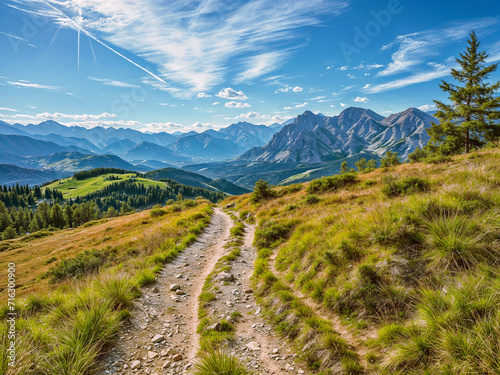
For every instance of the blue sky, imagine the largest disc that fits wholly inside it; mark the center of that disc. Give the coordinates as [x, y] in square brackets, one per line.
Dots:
[191, 65]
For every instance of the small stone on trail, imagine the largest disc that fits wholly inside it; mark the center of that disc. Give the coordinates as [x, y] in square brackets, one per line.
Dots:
[155, 290]
[157, 338]
[152, 355]
[135, 365]
[177, 357]
[174, 287]
[253, 345]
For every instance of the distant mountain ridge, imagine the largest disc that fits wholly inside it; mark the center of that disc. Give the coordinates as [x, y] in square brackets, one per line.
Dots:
[314, 138]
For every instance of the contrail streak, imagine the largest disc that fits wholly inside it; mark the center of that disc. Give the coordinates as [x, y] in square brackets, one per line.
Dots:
[93, 54]
[104, 44]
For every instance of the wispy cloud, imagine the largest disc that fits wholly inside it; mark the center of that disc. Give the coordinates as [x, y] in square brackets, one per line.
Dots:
[199, 45]
[28, 84]
[61, 116]
[203, 95]
[262, 64]
[301, 105]
[111, 82]
[18, 38]
[413, 49]
[8, 109]
[437, 71]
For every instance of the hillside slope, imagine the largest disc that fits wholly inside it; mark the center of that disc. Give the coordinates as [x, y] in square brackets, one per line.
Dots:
[401, 262]
[196, 180]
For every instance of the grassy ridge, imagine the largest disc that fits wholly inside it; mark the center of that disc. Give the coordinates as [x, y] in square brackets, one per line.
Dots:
[71, 188]
[64, 330]
[406, 255]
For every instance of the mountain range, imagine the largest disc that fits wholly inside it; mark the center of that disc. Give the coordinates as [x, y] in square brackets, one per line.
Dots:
[314, 138]
[300, 148]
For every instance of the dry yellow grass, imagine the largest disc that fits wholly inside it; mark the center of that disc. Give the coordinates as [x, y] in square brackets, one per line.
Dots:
[121, 232]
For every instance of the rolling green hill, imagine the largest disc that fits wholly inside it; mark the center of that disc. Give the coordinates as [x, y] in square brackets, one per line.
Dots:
[196, 180]
[72, 188]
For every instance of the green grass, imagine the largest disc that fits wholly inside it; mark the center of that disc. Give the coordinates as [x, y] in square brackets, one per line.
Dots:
[218, 362]
[67, 328]
[72, 188]
[415, 267]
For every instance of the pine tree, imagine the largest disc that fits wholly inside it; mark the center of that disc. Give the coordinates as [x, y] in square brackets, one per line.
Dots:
[469, 121]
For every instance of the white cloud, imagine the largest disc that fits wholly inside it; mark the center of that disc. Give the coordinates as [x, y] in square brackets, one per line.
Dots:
[288, 88]
[111, 82]
[427, 107]
[253, 116]
[28, 84]
[233, 104]
[60, 116]
[317, 98]
[194, 47]
[268, 120]
[366, 86]
[361, 99]
[259, 65]
[8, 109]
[351, 76]
[343, 105]
[203, 95]
[329, 67]
[438, 71]
[345, 67]
[301, 105]
[414, 48]
[215, 103]
[229, 93]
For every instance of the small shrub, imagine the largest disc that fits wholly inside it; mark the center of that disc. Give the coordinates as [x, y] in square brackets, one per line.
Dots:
[157, 212]
[83, 264]
[410, 185]
[330, 184]
[312, 199]
[262, 191]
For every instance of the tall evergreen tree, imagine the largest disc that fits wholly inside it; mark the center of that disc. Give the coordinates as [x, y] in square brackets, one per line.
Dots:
[471, 119]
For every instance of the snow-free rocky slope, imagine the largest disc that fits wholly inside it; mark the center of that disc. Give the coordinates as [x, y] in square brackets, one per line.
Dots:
[314, 138]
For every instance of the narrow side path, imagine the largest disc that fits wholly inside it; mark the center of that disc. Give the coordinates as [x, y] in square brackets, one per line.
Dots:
[255, 343]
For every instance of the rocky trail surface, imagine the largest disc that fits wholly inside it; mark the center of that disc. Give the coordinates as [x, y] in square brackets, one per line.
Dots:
[161, 337]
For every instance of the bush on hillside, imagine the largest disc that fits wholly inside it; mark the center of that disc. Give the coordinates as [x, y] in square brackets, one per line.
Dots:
[330, 184]
[262, 191]
[83, 264]
[393, 187]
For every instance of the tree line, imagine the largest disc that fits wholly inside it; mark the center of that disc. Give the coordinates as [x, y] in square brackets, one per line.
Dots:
[49, 210]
